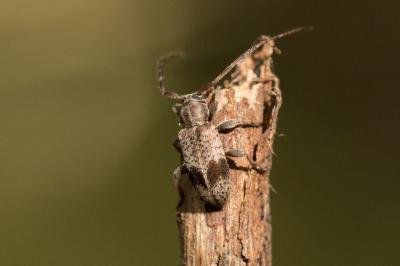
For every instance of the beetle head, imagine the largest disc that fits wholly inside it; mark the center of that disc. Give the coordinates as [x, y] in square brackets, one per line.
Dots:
[193, 110]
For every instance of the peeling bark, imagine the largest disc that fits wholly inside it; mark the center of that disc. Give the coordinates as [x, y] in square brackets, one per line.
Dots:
[240, 233]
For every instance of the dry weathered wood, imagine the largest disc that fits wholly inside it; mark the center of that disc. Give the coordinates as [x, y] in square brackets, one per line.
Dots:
[240, 233]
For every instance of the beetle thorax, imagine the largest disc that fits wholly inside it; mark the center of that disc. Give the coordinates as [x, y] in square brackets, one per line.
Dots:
[194, 113]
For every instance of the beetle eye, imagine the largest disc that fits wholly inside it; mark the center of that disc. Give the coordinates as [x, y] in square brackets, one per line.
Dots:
[198, 97]
[176, 108]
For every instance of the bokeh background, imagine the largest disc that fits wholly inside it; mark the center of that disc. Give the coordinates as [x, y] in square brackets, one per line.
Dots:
[85, 137]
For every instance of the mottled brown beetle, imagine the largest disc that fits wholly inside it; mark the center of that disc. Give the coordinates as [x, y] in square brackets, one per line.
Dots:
[204, 158]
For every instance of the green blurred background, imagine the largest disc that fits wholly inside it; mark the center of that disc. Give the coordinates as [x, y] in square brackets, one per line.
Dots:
[85, 137]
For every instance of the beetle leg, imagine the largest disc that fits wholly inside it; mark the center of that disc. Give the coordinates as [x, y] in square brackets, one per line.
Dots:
[177, 145]
[212, 109]
[233, 123]
[178, 173]
[241, 153]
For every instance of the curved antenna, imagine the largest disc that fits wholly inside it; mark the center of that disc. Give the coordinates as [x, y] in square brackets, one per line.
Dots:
[160, 74]
[260, 42]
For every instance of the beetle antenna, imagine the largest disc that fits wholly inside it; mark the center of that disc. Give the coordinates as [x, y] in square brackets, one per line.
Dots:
[259, 42]
[236, 61]
[292, 31]
[160, 74]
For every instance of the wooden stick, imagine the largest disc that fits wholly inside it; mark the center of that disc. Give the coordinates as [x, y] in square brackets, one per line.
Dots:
[240, 233]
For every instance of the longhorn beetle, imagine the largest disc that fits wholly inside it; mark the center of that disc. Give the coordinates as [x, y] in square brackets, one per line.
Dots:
[204, 158]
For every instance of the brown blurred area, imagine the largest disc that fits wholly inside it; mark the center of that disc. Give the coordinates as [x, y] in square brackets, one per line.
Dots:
[85, 137]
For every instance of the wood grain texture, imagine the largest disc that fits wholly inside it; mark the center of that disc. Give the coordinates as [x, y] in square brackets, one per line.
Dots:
[240, 233]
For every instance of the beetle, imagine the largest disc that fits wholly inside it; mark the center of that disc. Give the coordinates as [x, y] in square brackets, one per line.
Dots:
[204, 158]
